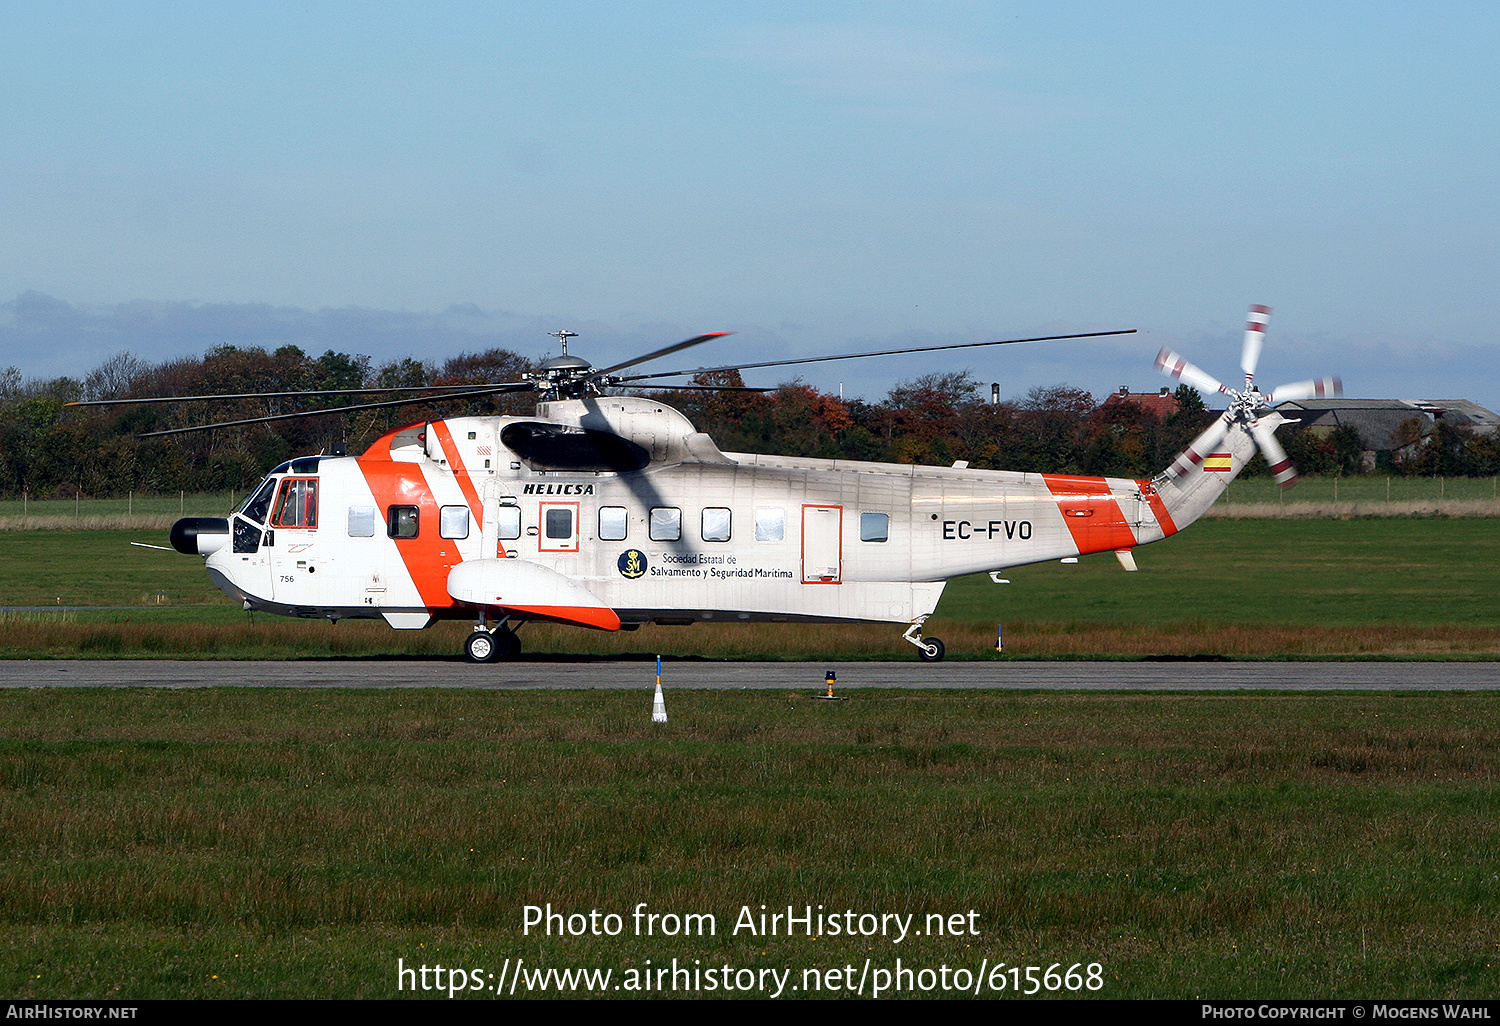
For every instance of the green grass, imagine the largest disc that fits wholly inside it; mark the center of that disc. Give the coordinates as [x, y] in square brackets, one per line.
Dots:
[199, 504]
[1370, 490]
[222, 843]
[100, 568]
[1425, 572]
[1367, 587]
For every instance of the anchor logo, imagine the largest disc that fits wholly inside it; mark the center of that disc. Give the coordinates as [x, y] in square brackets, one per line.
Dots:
[632, 563]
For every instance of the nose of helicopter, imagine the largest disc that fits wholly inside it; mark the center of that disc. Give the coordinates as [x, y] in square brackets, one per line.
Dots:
[200, 536]
[221, 566]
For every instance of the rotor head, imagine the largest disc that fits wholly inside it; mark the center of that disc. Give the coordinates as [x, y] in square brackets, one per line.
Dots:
[1245, 404]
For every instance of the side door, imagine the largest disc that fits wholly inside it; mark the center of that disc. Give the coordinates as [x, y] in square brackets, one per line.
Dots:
[294, 555]
[558, 522]
[822, 544]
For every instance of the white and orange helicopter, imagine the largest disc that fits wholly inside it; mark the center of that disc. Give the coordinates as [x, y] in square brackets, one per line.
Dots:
[608, 512]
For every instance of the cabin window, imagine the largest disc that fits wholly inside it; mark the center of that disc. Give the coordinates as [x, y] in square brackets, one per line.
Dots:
[510, 522]
[559, 523]
[361, 521]
[614, 523]
[453, 522]
[401, 522]
[666, 523]
[770, 525]
[874, 527]
[297, 505]
[716, 524]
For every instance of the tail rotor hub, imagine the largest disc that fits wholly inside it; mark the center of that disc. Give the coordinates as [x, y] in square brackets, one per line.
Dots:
[1246, 404]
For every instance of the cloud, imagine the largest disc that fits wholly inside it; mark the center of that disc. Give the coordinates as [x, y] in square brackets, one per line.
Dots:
[863, 60]
[902, 72]
[46, 337]
[49, 337]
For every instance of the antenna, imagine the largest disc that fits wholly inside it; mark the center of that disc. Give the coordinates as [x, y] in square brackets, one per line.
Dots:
[563, 336]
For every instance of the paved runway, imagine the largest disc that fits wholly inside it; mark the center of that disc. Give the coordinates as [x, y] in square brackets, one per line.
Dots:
[1135, 676]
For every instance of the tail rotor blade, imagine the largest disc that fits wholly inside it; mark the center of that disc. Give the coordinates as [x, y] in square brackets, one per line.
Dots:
[1313, 388]
[1201, 446]
[1255, 335]
[1174, 366]
[1281, 466]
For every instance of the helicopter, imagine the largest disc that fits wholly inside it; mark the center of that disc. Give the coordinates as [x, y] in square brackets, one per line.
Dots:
[609, 511]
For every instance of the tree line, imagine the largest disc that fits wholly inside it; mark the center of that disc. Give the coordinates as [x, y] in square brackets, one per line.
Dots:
[50, 450]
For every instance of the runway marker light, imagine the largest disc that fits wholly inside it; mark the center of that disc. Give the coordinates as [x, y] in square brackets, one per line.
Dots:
[829, 678]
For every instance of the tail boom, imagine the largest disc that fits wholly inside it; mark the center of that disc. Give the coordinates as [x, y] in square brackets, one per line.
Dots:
[1197, 478]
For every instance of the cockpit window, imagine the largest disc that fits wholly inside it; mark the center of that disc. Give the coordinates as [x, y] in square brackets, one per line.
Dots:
[301, 465]
[297, 504]
[246, 536]
[259, 504]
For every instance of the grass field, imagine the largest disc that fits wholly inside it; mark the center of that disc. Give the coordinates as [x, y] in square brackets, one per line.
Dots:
[222, 843]
[1370, 490]
[133, 512]
[1366, 587]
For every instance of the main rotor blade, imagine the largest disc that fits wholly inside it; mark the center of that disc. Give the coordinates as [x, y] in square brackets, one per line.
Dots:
[269, 395]
[1174, 366]
[1314, 388]
[1255, 335]
[1281, 466]
[491, 390]
[715, 388]
[665, 351]
[860, 356]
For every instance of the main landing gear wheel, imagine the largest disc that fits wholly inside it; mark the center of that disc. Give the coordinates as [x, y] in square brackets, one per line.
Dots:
[480, 647]
[486, 646]
[929, 650]
[507, 644]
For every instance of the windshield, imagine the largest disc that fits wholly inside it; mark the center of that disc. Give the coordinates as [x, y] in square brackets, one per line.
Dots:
[259, 504]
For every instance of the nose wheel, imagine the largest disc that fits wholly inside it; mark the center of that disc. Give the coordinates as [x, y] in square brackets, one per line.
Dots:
[486, 646]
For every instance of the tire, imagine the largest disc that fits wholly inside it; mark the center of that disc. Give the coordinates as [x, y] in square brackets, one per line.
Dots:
[481, 647]
[931, 651]
[507, 644]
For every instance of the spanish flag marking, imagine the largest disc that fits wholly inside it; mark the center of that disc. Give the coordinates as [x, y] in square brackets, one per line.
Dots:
[1221, 462]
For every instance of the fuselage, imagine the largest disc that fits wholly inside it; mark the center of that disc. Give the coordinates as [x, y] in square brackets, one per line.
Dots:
[618, 506]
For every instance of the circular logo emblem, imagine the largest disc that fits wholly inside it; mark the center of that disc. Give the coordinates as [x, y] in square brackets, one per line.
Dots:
[632, 563]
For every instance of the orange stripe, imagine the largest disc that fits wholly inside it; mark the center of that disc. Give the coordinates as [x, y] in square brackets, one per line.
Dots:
[461, 473]
[1091, 512]
[601, 618]
[456, 461]
[1158, 508]
[428, 557]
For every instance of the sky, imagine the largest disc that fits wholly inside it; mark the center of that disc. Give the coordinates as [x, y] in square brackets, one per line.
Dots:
[816, 177]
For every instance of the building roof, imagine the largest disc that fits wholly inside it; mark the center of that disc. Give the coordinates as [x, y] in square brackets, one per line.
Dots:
[1378, 420]
[1160, 405]
[1460, 411]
